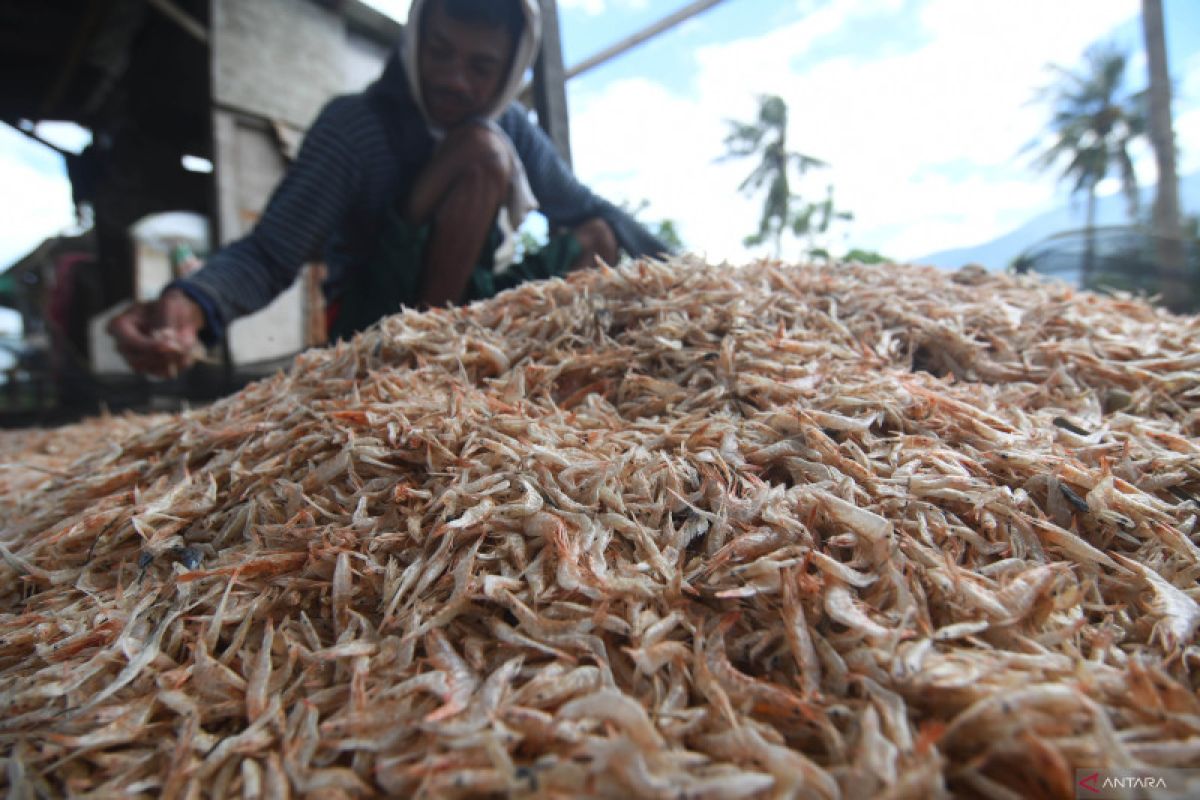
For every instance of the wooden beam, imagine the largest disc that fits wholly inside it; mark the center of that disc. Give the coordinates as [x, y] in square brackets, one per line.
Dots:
[184, 20]
[79, 43]
[549, 83]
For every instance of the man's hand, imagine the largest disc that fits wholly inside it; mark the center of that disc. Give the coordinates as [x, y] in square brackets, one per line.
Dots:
[159, 338]
[597, 242]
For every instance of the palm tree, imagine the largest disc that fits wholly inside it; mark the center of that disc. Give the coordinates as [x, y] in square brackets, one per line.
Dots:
[814, 219]
[1094, 121]
[766, 137]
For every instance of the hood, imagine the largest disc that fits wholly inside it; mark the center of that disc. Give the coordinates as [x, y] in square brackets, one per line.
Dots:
[523, 57]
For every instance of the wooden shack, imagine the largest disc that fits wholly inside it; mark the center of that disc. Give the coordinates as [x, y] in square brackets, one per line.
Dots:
[165, 85]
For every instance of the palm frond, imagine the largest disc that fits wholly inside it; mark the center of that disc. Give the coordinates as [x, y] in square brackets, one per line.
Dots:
[766, 137]
[804, 163]
[1091, 124]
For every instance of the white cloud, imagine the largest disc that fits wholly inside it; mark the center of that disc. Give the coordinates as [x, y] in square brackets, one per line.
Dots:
[635, 141]
[34, 204]
[924, 144]
[1187, 133]
[10, 325]
[1187, 121]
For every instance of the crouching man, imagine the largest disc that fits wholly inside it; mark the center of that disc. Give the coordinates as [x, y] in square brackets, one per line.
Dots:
[404, 190]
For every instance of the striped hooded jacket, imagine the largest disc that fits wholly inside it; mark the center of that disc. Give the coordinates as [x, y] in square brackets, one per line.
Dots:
[363, 153]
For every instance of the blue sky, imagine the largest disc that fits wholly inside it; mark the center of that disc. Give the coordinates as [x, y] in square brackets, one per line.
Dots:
[920, 106]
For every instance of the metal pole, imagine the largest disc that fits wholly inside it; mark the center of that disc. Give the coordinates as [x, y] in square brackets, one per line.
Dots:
[628, 43]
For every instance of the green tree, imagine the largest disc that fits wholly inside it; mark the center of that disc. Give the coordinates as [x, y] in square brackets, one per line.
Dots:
[528, 242]
[866, 256]
[854, 254]
[665, 229]
[1094, 120]
[783, 210]
[815, 219]
[668, 232]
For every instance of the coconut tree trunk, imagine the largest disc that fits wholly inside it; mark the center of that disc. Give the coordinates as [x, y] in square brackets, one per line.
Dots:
[1167, 226]
[1089, 242]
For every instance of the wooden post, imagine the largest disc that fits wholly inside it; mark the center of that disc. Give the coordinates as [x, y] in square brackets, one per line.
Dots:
[549, 83]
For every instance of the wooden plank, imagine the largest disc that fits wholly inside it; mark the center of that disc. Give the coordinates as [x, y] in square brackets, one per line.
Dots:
[248, 165]
[79, 43]
[277, 59]
[228, 225]
[549, 83]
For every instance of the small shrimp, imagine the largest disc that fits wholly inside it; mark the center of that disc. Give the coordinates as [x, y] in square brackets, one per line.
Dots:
[795, 629]
[764, 697]
[867, 524]
[792, 770]
[621, 710]
[842, 607]
[460, 679]
[260, 676]
[1179, 614]
[1019, 596]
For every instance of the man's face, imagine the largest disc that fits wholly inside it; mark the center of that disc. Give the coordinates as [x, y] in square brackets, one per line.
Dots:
[462, 66]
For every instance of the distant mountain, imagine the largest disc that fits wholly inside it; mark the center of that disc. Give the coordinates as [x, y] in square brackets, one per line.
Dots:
[999, 253]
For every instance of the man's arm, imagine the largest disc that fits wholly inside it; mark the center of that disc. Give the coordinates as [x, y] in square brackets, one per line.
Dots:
[562, 198]
[158, 338]
[305, 208]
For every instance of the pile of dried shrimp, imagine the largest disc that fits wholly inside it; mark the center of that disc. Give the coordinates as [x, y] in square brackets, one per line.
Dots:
[670, 531]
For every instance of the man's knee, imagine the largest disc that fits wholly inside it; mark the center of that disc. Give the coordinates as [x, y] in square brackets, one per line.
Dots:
[596, 240]
[480, 151]
[472, 160]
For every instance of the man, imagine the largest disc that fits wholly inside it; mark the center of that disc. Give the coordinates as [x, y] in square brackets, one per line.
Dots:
[401, 189]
